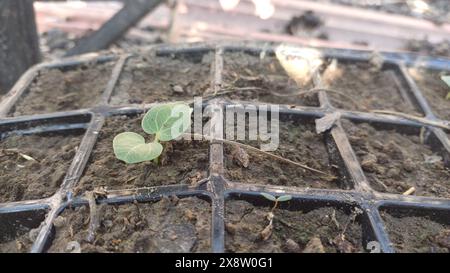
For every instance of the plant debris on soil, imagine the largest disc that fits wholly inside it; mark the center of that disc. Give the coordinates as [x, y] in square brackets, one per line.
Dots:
[169, 225]
[416, 234]
[261, 78]
[182, 162]
[34, 166]
[394, 162]
[299, 143]
[434, 89]
[56, 90]
[158, 79]
[324, 229]
[370, 88]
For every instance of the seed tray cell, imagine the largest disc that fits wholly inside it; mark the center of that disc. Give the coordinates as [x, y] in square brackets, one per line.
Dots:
[364, 86]
[298, 142]
[163, 77]
[18, 230]
[170, 224]
[228, 197]
[251, 77]
[63, 89]
[298, 226]
[434, 90]
[34, 162]
[184, 162]
[417, 230]
[396, 159]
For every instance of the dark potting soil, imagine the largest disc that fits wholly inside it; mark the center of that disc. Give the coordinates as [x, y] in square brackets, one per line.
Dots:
[22, 178]
[367, 88]
[170, 225]
[56, 90]
[416, 234]
[292, 230]
[298, 142]
[395, 162]
[21, 243]
[182, 162]
[251, 78]
[159, 79]
[434, 90]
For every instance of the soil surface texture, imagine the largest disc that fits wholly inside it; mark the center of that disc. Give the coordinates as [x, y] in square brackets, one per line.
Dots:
[261, 78]
[395, 162]
[417, 234]
[170, 225]
[368, 88]
[158, 79]
[34, 166]
[299, 143]
[320, 230]
[434, 89]
[55, 90]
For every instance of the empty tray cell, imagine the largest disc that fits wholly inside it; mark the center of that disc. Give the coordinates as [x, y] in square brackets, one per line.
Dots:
[434, 89]
[163, 78]
[417, 230]
[299, 227]
[298, 142]
[170, 225]
[182, 162]
[65, 89]
[18, 230]
[34, 166]
[363, 86]
[394, 161]
[262, 78]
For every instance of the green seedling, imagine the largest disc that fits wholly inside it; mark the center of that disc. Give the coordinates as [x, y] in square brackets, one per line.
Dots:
[278, 200]
[446, 79]
[166, 122]
[267, 231]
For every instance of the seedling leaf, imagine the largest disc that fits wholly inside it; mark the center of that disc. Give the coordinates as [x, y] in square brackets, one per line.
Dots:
[284, 198]
[269, 196]
[167, 121]
[131, 148]
[446, 79]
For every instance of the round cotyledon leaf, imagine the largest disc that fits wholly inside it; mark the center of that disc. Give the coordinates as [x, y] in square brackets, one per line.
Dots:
[167, 121]
[131, 148]
[269, 196]
[284, 198]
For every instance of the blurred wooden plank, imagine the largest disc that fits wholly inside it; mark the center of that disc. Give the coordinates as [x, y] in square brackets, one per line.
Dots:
[19, 42]
[344, 26]
[114, 28]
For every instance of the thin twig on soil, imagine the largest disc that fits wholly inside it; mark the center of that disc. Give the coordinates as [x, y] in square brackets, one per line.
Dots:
[225, 91]
[248, 147]
[425, 121]
[380, 183]
[230, 90]
[94, 222]
[17, 152]
[410, 191]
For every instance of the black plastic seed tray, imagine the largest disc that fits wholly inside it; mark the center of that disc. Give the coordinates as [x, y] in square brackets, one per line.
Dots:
[34, 220]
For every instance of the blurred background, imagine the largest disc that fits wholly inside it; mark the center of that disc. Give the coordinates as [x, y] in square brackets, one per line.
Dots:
[34, 31]
[386, 25]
